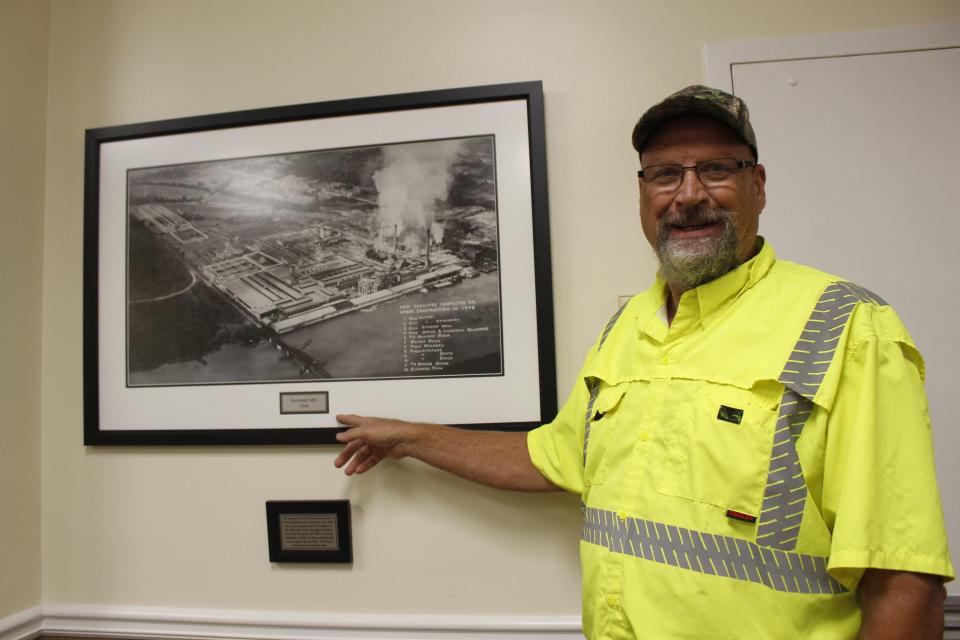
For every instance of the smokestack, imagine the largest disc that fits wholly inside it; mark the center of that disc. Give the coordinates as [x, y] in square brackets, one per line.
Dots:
[396, 241]
[428, 246]
[413, 179]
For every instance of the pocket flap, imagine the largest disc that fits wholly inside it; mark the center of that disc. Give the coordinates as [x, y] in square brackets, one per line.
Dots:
[605, 397]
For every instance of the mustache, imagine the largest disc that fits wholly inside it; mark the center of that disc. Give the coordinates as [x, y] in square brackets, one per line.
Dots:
[694, 216]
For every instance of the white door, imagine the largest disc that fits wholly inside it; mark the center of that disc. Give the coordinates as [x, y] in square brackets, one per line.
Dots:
[862, 151]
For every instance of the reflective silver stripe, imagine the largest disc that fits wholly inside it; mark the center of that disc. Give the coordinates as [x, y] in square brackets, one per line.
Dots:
[588, 419]
[786, 488]
[595, 384]
[786, 491]
[813, 353]
[723, 556]
[609, 327]
[865, 295]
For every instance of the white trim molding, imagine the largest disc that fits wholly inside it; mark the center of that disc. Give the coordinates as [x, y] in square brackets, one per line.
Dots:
[951, 615]
[155, 623]
[207, 624]
[24, 625]
[720, 57]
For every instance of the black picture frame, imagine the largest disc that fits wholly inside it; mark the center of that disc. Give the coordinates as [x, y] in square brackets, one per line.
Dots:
[115, 412]
[323, 531]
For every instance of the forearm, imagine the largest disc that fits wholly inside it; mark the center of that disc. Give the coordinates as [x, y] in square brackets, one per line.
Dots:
[494, 458]
[899, 605]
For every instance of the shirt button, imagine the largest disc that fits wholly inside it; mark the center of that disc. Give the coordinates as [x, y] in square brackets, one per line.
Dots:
[622, 515]
[665, 359]
[645, 436]
[612, 601]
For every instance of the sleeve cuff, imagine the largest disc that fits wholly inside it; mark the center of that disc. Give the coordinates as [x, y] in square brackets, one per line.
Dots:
[847, 567]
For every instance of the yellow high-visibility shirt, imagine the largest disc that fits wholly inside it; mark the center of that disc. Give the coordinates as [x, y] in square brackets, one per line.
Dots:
[741, 467]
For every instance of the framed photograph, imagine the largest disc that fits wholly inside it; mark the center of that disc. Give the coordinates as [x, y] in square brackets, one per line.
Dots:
[249, 275]
[309, 531]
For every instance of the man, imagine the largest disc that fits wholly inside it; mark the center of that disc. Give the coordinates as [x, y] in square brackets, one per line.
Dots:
[749, 436]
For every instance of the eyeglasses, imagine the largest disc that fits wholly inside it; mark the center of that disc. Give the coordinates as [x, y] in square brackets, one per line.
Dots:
[711, 173]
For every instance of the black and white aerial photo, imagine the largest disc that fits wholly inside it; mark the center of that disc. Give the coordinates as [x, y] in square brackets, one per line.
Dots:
[346, 264]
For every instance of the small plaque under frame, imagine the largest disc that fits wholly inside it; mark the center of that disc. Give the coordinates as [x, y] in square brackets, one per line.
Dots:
[309, 531]
[304, 402]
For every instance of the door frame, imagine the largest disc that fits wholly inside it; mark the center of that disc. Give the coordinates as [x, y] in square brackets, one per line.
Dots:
[719, 58]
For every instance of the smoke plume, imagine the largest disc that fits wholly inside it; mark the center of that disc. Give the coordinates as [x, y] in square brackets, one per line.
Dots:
[414, 178]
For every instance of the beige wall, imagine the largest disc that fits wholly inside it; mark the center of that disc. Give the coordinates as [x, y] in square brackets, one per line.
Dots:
[23, 95]
[185, 527]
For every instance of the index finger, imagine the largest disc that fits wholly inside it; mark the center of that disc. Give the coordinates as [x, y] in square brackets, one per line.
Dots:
[350, 419]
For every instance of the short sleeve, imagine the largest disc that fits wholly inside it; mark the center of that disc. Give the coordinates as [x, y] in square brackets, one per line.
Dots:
[880, 494]
[556, 448]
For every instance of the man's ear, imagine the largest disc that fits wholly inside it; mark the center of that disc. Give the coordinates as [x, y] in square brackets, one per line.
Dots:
[759, 185]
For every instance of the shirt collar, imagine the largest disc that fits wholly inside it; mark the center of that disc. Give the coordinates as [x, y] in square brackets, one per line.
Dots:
[708, 298]
[716, 293]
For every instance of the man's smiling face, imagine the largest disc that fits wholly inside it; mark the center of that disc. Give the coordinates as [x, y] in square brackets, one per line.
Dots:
[700, 233]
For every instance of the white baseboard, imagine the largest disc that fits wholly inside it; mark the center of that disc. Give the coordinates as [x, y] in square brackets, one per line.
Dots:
[153, 623]
[201, 624]
[25, 625]
[951, 618]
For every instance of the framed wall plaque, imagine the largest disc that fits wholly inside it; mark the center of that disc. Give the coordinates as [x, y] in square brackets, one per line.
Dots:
[249, 275]
[309, 531]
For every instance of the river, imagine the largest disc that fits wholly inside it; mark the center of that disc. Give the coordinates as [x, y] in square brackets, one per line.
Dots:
[454, 330]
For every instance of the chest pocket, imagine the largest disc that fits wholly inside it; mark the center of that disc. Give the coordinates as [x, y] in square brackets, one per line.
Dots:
[716, 447]
[600, 430]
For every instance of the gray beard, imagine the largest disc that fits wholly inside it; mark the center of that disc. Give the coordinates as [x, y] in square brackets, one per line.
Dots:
[691, 263]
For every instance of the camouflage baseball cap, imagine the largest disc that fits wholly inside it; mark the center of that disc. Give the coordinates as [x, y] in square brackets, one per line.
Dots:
[698, 100]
